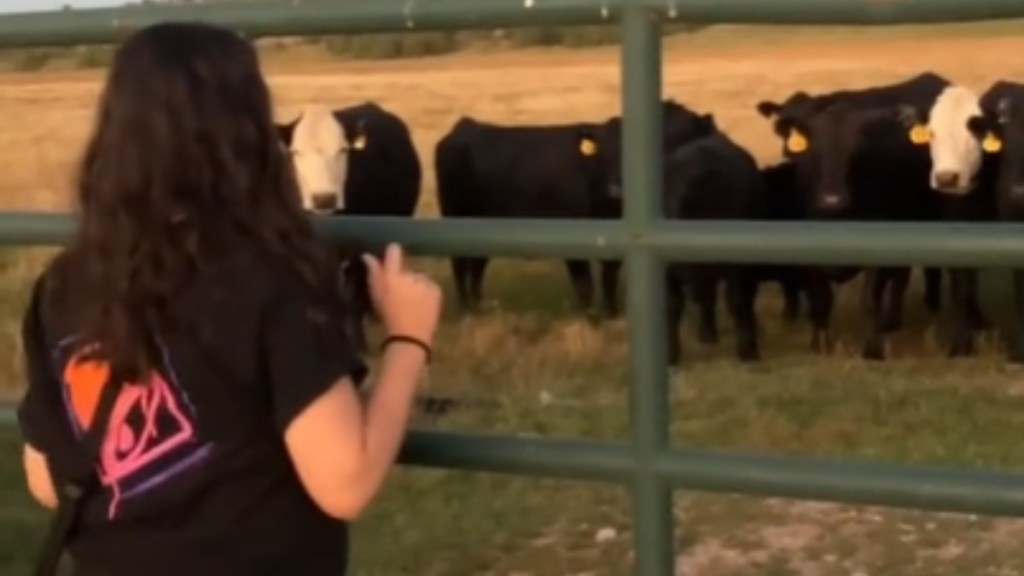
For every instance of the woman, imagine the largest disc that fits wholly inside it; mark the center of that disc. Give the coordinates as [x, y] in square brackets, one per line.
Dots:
[197, 294]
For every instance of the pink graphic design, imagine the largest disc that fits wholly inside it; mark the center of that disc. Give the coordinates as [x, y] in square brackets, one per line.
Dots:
[150, 437]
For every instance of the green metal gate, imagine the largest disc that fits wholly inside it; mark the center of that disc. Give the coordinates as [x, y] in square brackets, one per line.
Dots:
[646, 465]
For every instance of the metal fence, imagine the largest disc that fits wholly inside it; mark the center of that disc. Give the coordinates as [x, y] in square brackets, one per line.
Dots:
[646, 464]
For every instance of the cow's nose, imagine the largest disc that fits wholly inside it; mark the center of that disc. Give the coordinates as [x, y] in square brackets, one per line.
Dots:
[832, 202]
[325, 200]
[947, 180]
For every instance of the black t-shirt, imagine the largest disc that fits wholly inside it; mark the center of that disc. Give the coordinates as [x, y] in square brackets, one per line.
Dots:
[195, 476]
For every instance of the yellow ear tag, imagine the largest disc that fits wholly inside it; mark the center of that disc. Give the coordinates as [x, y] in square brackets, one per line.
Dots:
[360, 142]
[796, 143]
[919, 135]
[991, 143]
[588, 147]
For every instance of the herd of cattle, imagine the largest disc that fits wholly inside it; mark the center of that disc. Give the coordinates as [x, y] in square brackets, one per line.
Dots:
[924, 149]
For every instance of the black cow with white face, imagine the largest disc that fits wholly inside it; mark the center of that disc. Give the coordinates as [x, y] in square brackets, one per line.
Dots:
[542, 171]
[358, 160]
[998, 129]
[964, 176]
[856, 160]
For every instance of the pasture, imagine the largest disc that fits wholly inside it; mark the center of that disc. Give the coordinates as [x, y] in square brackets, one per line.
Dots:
[555, 374]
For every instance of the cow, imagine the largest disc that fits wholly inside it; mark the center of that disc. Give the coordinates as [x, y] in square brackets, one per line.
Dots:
[965, 178]
[487, 170]
[358, 161]
[856, 161]
[710, 178]
[803, 104]
[998, 128]
[782, 203]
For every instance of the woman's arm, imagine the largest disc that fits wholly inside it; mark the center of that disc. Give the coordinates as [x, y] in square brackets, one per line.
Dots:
[37, 475]
[341, 451]
[343, 454]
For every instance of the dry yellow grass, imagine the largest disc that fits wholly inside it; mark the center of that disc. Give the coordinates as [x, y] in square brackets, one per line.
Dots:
[915, 407]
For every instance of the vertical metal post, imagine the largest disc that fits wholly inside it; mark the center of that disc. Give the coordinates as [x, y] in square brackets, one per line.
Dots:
[642, 165]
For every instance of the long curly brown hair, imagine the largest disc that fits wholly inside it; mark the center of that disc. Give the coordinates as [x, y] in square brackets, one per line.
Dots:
[184, 163]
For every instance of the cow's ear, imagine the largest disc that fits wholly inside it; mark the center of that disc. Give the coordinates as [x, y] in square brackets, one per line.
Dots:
[768, 109]
[987, 132]
[917, 131]
[359, 138]
[284, 133]
[586, 142]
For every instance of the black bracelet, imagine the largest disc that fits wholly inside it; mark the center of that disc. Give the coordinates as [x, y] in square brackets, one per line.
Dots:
[408, 340]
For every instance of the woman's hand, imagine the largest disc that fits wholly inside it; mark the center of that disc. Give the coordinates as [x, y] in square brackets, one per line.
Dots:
[408, 303]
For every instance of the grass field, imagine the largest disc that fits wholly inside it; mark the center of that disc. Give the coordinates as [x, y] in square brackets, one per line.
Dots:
[917, 407]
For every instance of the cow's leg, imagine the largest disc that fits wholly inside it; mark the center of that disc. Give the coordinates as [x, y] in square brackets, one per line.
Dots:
[705, 288]
[898, 279]
[461, 273]
[963, 286]
[477, 267]
[675, 301]
[877, 280]
[819, 303]
[741, 292]
[791, 288]
[583, 284]
[1016, 352]
[975, 317]
[610, 286]
[933, 289]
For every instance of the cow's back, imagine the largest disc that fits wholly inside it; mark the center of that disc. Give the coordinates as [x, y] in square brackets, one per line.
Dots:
[714, 178]
[520, 171]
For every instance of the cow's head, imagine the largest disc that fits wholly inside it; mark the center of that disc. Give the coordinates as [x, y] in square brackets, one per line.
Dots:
[955, 154]
[680, 126]
[827, 145]
[319, 147]
[1000, 133]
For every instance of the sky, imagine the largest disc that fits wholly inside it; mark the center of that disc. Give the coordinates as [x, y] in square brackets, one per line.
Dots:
[46, 5]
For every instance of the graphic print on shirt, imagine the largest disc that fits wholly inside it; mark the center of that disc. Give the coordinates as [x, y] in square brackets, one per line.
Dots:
[151, 436]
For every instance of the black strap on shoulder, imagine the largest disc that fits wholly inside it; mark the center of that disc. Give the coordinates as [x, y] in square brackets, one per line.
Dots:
[71, 493]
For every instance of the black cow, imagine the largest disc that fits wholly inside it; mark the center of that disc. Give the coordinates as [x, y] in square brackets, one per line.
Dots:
[359, 160]
[707, 179]
[999, 130]
[782, 203]
[552, 171]
[856, 161]
[801, 104]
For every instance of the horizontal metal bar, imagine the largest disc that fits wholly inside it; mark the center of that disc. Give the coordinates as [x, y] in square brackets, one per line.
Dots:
[521, 456]
[939, 489]
[831, 480]
[869, 243]
[303, 17]
[314, 17]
